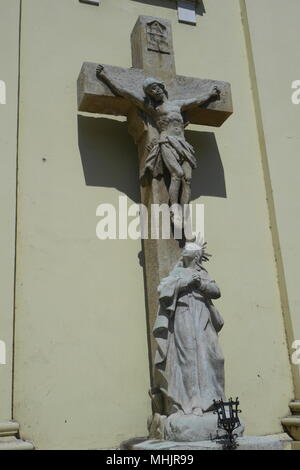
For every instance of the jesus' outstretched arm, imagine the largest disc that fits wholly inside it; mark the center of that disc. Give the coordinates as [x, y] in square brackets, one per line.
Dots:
[213, 95]
[117, 89]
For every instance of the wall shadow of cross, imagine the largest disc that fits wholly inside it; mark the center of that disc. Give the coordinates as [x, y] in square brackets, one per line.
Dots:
[110, 159]
[208, 178]
[109, 156]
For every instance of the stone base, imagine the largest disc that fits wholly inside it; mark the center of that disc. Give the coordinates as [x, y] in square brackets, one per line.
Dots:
[296, 445]
[190, 428]
[187, 428]
[10, 439]
[272, 442]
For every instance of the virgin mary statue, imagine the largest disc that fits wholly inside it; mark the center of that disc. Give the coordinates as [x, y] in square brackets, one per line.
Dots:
[189, 365]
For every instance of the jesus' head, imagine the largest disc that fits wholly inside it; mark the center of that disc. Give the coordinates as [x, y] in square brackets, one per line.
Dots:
[155, 89]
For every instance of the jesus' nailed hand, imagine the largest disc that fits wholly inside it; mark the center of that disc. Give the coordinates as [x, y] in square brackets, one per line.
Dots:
[170, 150]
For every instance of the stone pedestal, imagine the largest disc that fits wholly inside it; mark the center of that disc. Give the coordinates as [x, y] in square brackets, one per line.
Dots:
[272, 442]
[188, 428]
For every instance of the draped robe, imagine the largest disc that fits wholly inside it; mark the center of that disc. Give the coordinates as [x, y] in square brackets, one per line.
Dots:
[189, 365]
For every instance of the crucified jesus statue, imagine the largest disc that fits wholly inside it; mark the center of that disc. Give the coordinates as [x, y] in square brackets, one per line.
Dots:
[170, 148]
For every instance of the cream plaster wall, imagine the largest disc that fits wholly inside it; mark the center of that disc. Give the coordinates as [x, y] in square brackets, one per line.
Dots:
[81, 368]
[9, 56]
[274, 32]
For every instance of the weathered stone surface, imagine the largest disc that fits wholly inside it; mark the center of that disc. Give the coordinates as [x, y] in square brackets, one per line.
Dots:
[272, 442]
[10, 439]
[191, 428]
[189, 365]
[152, 49]
[95, 96]
[291, 424]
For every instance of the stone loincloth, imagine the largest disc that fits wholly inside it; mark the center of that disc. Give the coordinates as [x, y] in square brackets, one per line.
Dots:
[175, 149]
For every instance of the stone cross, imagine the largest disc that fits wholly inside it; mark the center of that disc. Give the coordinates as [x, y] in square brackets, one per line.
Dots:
[152, 56]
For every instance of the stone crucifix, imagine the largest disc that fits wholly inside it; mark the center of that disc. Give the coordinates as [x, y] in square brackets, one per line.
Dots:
[158, 104]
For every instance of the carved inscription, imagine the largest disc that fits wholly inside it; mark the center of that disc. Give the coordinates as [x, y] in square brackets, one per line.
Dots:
[157, 37]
